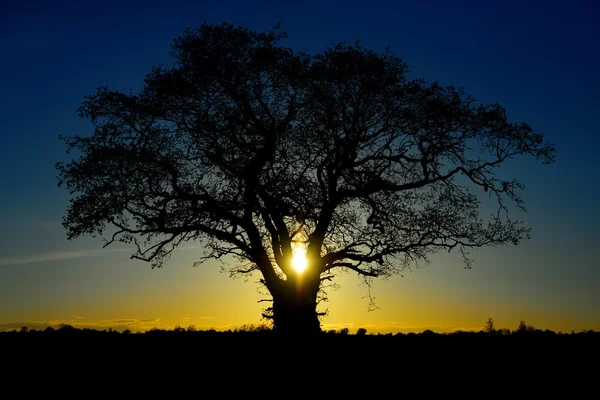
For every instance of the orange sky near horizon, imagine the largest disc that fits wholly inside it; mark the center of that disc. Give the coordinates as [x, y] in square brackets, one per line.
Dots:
[105, 289]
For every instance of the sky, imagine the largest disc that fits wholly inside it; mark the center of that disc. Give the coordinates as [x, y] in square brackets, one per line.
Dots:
[539, 59]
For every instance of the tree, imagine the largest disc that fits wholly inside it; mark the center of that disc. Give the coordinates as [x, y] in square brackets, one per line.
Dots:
[260, 152]
[524, 328]
[489, 326]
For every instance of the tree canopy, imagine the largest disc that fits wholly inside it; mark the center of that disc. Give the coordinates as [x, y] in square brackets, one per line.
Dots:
[253, 149]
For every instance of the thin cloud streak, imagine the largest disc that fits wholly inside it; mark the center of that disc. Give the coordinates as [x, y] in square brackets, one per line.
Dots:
[391, 327]
[54, 256]
[121, 324]
[132, 324]
[69, 255]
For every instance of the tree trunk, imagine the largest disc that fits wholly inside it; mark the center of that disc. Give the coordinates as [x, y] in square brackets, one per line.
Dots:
[295, 309]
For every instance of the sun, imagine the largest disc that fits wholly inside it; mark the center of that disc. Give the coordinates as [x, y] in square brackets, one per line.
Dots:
[299, 261]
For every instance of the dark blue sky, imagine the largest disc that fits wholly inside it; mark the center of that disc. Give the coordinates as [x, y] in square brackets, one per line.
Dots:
[539, 59]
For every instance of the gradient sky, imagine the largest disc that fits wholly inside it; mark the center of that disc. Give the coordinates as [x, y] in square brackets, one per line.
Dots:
[539, 59]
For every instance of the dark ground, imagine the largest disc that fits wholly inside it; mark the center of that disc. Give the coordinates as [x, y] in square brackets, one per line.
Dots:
[86, 363]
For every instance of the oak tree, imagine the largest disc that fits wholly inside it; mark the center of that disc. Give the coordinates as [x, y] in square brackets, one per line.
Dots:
[258, 152]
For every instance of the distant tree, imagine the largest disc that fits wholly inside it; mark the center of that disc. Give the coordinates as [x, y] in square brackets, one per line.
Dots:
[361, 332]
[24, 329]
[258, 152]
[489, 326]
[344, 331]
[253, 328]
[525, 329]
[66, 328]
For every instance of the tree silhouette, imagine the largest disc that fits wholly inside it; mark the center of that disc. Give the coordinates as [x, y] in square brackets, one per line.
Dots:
[489, 326]
[255, 150]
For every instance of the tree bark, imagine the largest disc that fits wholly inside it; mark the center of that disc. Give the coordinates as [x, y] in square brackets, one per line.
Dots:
[295, 308]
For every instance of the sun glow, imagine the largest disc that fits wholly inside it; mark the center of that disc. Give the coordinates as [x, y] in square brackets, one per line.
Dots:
[299, 261]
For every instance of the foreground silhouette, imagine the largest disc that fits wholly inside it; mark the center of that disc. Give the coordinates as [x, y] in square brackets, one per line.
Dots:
[257, 152]
[242, 360]
[64, 330]
[261, 340]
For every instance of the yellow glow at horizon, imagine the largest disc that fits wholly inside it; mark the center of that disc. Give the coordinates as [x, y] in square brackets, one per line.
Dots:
[299, 261]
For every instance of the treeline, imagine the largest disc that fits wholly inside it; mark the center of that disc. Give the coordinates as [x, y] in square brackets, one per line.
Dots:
[252, 346]
[264, 330]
